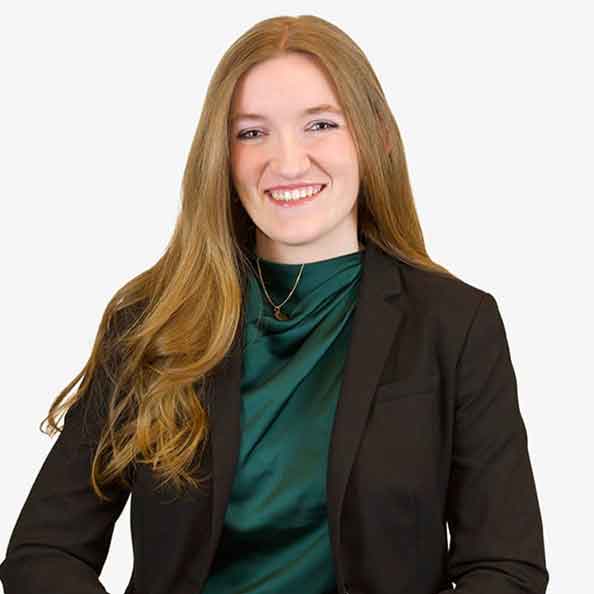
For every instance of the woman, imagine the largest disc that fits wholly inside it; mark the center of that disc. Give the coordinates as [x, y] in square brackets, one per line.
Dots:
[296, 397]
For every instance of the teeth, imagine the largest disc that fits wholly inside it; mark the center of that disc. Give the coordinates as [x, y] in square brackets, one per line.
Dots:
[296, 194]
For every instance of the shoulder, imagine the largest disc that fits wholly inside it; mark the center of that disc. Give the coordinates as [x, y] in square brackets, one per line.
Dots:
[437, 288]
[451, 301]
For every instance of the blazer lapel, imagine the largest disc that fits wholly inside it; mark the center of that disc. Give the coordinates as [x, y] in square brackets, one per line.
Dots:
[375, 323]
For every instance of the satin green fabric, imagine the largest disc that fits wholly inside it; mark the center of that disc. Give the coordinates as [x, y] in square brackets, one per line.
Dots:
[275, 536]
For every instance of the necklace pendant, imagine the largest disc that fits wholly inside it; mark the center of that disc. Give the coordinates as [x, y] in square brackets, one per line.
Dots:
[279, 315]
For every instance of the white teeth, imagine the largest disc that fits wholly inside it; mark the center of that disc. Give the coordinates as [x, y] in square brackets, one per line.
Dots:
[296, 194]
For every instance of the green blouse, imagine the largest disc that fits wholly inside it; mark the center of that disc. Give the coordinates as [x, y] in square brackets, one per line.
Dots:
[275, 536]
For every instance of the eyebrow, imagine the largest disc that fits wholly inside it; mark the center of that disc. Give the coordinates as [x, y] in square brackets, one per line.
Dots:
[325, 107]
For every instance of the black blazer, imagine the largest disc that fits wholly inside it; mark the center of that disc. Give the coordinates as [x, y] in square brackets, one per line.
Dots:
[427, 432]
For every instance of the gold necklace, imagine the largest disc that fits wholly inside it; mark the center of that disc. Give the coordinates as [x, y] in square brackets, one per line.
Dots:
[278, 314]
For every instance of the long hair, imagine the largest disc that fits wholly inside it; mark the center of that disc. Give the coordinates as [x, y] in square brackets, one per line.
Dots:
[167, 329]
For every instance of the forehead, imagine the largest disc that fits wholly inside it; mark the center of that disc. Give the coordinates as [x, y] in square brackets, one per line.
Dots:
[284, 86]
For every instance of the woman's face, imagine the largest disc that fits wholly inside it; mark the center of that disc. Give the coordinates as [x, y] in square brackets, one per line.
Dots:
[281, 144]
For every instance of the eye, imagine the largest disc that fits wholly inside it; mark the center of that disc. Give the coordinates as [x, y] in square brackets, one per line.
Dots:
[244, 134]
[330, 124]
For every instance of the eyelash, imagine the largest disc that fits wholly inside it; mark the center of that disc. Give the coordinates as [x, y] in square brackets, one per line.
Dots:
[242, 134]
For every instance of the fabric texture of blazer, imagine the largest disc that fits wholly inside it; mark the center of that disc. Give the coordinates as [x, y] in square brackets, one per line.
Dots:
[427, 432]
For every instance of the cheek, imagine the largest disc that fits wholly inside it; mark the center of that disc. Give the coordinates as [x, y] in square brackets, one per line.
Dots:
[243, 169]
[340, 154]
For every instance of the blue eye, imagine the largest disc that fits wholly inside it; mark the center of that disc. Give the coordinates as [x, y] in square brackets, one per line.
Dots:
[244, 135]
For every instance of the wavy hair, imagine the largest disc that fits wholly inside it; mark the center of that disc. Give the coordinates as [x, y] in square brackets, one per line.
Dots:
[165, 331]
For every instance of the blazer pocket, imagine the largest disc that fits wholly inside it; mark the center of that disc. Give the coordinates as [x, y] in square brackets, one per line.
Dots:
[408, 386]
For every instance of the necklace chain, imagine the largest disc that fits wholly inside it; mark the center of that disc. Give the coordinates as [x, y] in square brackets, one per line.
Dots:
[278, 314]
[277, 308]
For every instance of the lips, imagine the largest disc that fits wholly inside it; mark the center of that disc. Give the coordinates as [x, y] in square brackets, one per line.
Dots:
[296, 204]
[291, 187]
[269, 192]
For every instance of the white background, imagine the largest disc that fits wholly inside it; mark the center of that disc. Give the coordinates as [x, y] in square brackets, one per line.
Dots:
[99, 104]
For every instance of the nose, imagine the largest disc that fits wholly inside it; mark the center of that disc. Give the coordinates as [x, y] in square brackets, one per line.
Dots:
[290, 158]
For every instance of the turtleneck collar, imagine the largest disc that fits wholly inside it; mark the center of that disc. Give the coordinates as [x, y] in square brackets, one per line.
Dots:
[279, 278]
[323, 285]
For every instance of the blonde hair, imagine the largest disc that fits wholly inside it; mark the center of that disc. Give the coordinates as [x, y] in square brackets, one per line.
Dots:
[165, 330]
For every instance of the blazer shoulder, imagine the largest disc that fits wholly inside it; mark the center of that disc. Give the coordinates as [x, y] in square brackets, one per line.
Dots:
[437, 291]
[449, 304]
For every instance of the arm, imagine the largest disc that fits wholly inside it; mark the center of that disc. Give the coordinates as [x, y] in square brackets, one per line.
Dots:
[62, 535]
[492, 509]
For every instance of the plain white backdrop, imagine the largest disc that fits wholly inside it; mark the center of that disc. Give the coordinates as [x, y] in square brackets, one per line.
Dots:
[99, 104]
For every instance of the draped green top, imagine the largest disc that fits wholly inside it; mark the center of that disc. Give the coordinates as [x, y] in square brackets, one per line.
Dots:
[275, 536]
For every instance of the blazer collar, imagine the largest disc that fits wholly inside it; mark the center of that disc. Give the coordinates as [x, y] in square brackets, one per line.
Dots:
[376, 320]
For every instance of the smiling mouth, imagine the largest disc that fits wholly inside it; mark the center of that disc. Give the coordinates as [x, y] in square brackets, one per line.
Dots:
[295, 201]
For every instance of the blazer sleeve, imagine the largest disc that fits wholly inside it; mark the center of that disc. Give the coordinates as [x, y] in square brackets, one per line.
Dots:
[496, 534]
[62, 535]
